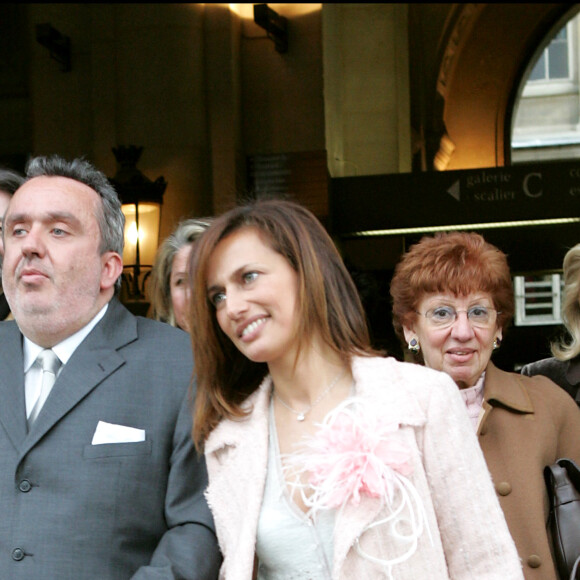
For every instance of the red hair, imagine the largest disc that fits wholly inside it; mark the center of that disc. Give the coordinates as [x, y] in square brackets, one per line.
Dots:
[459, 262]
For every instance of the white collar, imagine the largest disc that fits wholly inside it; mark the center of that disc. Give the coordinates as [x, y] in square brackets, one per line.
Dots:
[64, 349]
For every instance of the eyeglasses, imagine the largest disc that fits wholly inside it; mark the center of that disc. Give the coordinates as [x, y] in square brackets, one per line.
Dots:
[444, 316]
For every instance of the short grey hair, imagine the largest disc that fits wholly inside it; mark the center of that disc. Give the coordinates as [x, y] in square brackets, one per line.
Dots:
[10, 180]
[111, 219]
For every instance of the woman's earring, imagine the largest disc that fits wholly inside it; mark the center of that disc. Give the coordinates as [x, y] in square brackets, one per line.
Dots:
[414, 345]
[496, 343]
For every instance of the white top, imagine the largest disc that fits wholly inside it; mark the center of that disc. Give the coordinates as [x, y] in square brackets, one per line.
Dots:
[290, 545]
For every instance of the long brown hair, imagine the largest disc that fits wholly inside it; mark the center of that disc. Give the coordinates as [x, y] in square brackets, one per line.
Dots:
[328, 304]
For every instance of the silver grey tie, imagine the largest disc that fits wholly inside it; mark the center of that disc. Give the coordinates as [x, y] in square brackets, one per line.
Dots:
[50, 364]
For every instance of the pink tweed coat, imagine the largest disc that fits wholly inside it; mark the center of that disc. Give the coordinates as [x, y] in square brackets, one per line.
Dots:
[469, 535]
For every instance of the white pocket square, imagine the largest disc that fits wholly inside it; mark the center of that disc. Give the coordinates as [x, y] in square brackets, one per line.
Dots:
[111, 433]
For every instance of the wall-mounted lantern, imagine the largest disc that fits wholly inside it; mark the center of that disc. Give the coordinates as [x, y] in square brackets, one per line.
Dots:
[274, 24]
[141, 201]
[59, 45]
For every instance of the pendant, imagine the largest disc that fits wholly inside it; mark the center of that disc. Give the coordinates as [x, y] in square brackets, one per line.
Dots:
[300, 417]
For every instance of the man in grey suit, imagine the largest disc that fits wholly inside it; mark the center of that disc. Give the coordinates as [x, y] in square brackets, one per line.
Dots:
[99, 479]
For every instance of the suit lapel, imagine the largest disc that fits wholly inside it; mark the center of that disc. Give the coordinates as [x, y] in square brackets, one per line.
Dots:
[95, 359]
[12, 409]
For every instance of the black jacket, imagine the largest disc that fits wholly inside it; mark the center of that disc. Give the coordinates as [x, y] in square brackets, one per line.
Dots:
[4, 308]
[563, 373]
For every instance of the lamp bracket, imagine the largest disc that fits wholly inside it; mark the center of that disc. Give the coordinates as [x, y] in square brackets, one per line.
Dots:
[58, 44]
[275, 25]
[135, 188]
[131, 185]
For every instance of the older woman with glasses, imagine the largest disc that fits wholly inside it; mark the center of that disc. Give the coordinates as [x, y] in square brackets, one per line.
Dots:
[452, 302]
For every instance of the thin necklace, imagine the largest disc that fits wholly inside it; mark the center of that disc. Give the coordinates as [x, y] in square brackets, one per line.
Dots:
[301, 415]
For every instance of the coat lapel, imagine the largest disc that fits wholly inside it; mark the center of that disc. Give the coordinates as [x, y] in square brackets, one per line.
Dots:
[350, 524]
[92, 362]
[237, 456]
[377, 381]
[503, 389]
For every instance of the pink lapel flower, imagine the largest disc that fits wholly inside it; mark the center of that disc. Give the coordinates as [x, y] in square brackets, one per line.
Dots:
[354, 453]
[357, 452]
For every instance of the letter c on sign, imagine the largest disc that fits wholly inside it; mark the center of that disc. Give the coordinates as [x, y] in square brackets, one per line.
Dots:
[526, 185]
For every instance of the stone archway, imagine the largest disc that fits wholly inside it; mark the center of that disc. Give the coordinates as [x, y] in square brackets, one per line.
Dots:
[467, 61]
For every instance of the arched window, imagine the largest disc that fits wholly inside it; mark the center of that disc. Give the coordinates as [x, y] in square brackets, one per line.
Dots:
[546, 120]
[553, 71]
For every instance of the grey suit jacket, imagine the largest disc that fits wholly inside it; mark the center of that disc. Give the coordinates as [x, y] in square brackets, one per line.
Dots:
[70, 510]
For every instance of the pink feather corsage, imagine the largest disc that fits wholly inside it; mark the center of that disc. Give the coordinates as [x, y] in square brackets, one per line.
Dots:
[356, 452]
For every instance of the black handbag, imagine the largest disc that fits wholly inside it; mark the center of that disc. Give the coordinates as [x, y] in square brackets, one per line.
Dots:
[563, 485]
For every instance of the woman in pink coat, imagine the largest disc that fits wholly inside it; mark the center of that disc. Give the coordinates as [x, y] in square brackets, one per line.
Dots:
[325, 459]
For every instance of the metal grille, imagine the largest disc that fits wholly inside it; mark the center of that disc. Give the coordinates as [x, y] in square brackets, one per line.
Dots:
[538, 299]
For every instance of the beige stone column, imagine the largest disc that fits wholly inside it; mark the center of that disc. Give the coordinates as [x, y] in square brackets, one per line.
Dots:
[366, 88]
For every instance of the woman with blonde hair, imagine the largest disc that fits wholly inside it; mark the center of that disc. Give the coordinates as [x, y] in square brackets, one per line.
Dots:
[564, 367]
[326, 460]
[169, 288]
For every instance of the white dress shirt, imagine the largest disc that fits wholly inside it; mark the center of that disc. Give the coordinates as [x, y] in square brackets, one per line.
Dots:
[64, 350]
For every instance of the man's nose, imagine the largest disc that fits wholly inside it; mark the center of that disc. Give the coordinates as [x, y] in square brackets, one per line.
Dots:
[33, 243]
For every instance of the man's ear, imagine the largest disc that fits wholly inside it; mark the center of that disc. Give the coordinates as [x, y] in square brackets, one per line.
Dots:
[111, 270]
